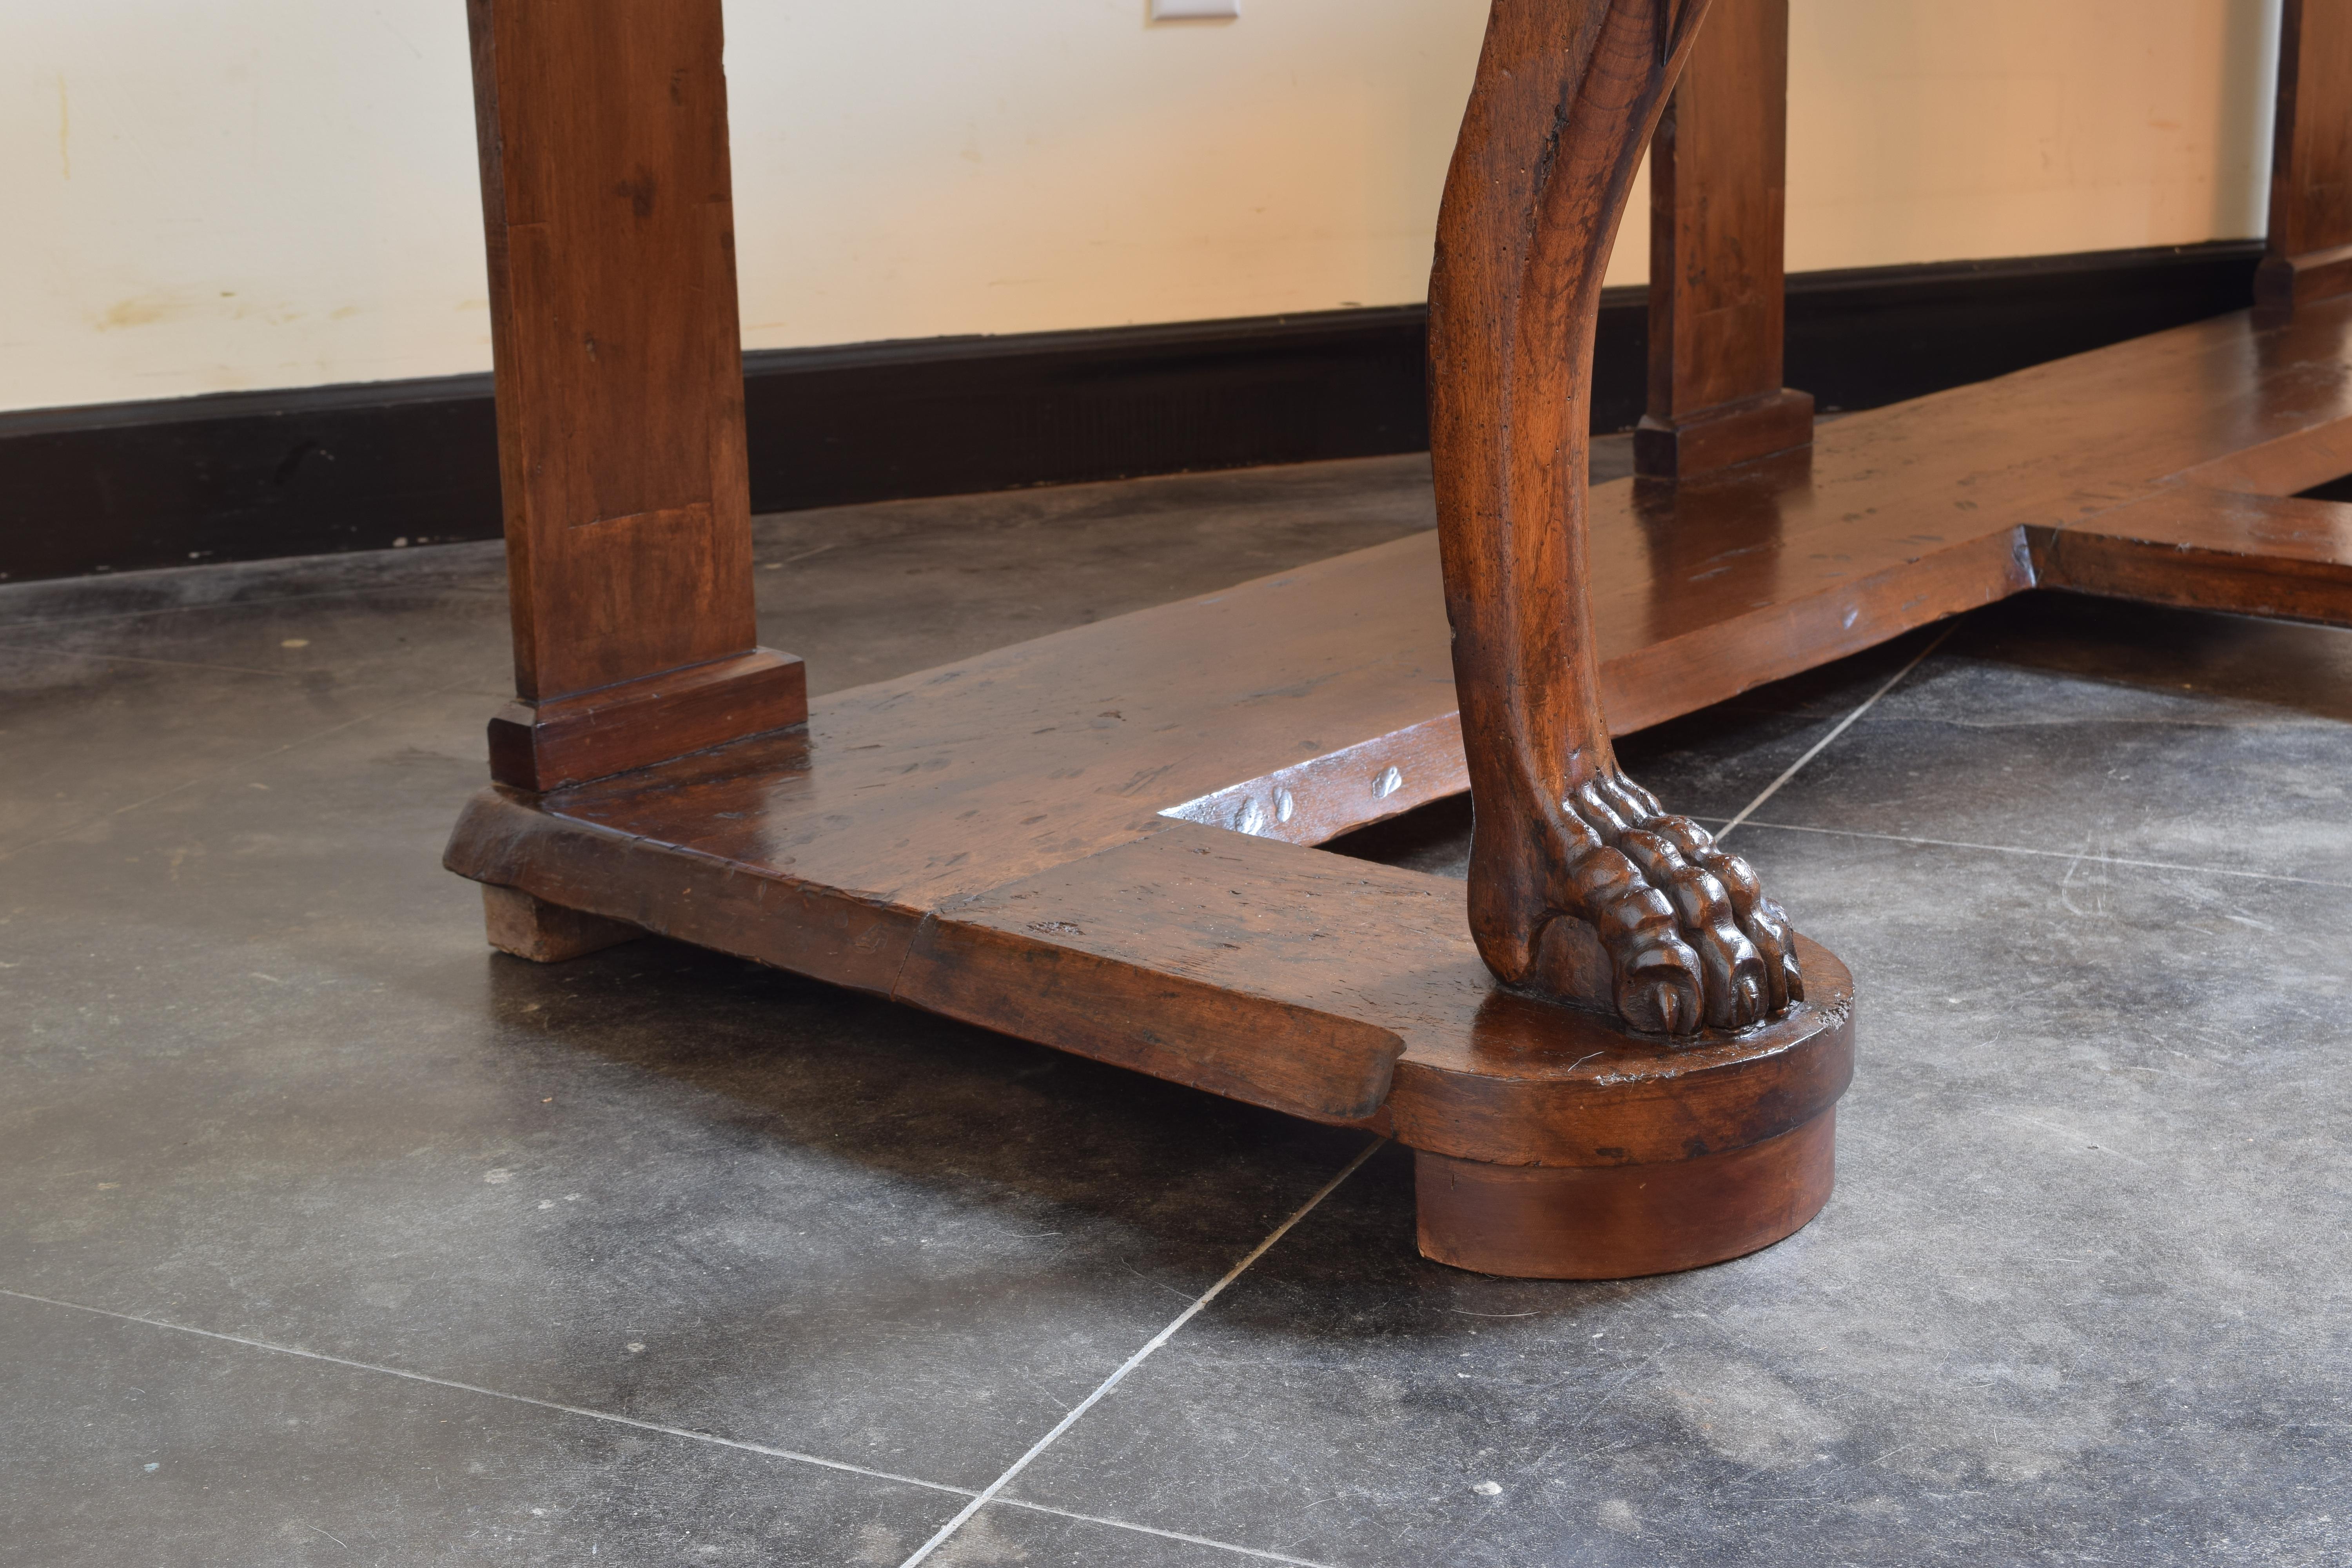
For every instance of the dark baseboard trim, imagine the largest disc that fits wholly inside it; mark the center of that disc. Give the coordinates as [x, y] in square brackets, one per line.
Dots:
[247, 476]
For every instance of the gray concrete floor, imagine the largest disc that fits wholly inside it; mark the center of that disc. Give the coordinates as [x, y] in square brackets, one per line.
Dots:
[330, 1236]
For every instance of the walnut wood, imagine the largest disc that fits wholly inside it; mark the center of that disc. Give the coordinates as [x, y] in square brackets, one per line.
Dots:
[591, 734]
[1056, 763]
[1719, 177]
[1096, 957]
[1330, 988]
[2311, 158]
[605, 194]
[2287, 464]
[1619, 1222]
[1289, 931]
[1565, 96]
[544, 933]
[1098, 838]
[2261, 555]
[1670, 447]
[1582, 886]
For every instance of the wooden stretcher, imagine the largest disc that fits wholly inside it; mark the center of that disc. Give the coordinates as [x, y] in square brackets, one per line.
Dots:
[1105, 839]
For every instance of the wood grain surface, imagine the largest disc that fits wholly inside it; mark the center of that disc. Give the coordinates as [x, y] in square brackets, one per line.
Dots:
[1102, 839]
[1284, 976]
[1623, 1222]
[2311, 158]
[1718, 178]
[1583, 886]
[939, 795]
[606, 200]
[544, 933]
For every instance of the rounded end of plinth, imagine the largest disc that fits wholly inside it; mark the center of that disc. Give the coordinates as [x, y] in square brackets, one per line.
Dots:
[1616, 1222]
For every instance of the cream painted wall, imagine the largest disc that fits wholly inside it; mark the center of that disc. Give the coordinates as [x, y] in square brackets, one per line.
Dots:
[1926, 130]
[238, 194]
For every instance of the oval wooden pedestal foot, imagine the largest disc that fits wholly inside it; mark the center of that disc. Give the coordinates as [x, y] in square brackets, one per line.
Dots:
[1614, 1222]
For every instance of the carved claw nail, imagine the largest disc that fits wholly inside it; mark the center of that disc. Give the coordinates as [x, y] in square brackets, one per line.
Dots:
[1737, 983]
[1661, 982]
[1659, 992]
[1660, 922]
[1750, 1002]
[1657, 1009]
[1767, 927]
[1765, 923]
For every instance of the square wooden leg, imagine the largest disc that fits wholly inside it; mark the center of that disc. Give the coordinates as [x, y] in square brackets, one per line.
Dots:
[545, 932]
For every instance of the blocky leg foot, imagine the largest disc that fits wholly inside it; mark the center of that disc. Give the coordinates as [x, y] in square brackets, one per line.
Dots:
[544, 933]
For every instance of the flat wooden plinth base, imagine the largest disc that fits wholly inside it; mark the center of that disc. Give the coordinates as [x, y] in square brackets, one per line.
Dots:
[1102, 839]
[1615, 1222]
[1334, 989]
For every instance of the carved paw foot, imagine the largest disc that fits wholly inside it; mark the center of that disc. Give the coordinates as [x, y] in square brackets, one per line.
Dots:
[1719, 905]
[1647, 915]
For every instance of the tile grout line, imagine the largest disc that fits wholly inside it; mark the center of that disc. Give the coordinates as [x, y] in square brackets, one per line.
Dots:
[1257, 1551]
[1843, 724]
[1138, 1359]
[2052, 854]
[687, 1433]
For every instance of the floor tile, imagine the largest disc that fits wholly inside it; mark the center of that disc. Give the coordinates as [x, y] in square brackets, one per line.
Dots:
[868, 593]
[133, 595]
[1710, 764]
[2079, 1293]
[414, 636]
[272, 1083]
[128, 1443]
[863, 592]
[1001, 1534]
[85, 738]
[2297, 668]
[2199, 753]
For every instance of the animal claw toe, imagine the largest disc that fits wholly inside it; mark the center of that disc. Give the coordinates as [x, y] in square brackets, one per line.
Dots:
[1659, 1007]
